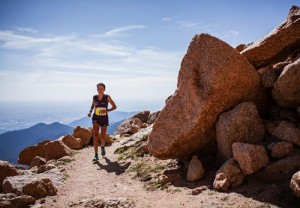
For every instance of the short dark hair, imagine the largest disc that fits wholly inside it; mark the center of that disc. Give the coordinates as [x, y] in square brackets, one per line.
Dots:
[99, 84]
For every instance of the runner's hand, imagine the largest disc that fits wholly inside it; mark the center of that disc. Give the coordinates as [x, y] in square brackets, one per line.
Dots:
[89, 114]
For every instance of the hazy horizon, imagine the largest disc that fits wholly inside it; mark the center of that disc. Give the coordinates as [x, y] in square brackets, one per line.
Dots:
[19, 115]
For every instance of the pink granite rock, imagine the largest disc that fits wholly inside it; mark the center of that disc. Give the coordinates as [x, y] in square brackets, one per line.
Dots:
[213, 78]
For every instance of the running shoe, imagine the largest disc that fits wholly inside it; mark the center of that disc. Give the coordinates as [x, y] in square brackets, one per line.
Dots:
[103, 151]
[96, 158]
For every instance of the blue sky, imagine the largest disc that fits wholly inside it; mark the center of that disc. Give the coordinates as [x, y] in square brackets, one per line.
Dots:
[59, 50]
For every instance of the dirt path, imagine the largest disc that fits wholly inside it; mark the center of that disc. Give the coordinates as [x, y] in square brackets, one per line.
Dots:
[107, 184]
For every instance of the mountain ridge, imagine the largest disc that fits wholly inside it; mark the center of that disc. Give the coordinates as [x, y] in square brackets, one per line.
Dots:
[114, 117]
[12, 142]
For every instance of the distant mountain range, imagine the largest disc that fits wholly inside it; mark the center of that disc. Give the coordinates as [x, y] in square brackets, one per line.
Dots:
[12, 142]
[114, 117]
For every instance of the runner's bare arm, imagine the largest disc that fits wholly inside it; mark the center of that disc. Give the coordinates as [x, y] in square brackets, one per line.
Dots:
[91, 110]
[113, 105]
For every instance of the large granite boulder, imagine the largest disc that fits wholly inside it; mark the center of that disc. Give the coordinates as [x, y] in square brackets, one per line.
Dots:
[129, 126]
[40, 188]
[143, 116]
[16, 184]
[213, 78]
[195, 170]
[228, 176]
[278, 44]
[287, 131]
[133, 124]
[41, 149]
[6, 169]
[11, 200]
[84, 134]
[281, 149]
[280, 170]
[72, 142]
[270, 74]
[250, 157]
[38, 161]
[46, 149]
[286, 91]
[135, 140]
[241, 124]
[152, 117]
[27, 154]
[56, 150]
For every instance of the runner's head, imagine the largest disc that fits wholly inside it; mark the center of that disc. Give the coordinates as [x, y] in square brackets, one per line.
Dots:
[101, 84]
[101, 87]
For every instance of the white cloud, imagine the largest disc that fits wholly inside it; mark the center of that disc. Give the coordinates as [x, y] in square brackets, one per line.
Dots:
[198, 26]
[49, 46]
[173, 18]
[231, 37]
[167, 19]
[26, 29]
[181, 23]
[233, 33]
[102, 48]
[117, 32]
[11, 40]
[72, 52]
[188, 24]
[68, 66]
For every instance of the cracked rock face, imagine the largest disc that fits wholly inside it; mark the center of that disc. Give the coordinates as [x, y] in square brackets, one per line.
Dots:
[278, 44]
[213, 78]
[286, 91]
[241, 124]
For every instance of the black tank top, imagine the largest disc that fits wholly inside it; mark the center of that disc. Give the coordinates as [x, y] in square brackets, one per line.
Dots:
[103, 103]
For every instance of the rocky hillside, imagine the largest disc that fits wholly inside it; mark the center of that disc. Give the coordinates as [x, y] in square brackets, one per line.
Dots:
[232, 125]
